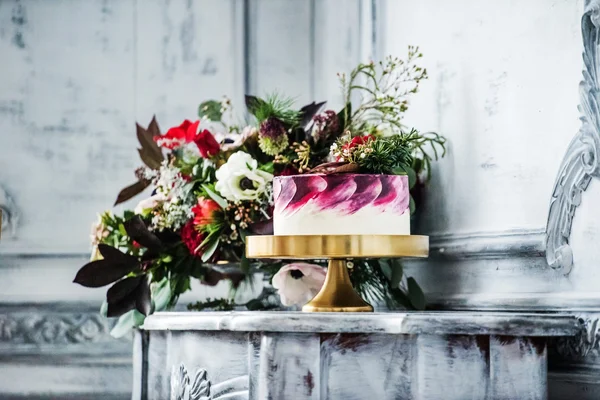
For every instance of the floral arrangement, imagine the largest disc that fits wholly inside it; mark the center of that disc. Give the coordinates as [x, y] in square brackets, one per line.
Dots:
[211, 183]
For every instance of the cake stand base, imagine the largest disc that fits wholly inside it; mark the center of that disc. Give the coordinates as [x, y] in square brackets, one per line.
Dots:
[337, 293]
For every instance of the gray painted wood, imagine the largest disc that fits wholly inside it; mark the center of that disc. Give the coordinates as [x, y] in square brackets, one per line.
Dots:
[289, 367]
[284, 364]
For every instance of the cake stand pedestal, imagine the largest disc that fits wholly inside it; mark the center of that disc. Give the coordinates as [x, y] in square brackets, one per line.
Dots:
[337, 293]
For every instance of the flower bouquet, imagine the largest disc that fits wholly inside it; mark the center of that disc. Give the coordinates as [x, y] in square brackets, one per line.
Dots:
[211, 186]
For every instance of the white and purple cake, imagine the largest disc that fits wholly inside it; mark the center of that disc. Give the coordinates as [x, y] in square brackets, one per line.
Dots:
[341, 204]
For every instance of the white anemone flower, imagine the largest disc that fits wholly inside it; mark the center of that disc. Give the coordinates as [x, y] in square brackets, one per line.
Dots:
[298, 283]
[240, 179]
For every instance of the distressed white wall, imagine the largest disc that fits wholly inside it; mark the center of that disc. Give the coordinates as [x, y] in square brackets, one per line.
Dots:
[75, 76]
[503, 89]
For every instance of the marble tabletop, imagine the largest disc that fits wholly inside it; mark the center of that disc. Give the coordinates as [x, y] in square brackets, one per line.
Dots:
[436, 323]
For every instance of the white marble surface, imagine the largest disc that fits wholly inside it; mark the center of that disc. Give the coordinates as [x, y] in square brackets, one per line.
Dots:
[433, 323]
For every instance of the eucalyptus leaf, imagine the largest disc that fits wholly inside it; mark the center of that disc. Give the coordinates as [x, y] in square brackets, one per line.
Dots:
[385, 267]
[161, 295]
[210, 250]
[126, 323]
[397, 272]
[412, 206]
[104, 308]
[415, 294]
[218, 199]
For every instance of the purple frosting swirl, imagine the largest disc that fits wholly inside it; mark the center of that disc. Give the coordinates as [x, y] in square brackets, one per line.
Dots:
[344, 193]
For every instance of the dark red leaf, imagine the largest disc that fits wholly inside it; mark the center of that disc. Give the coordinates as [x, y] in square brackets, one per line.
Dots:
[262, 227]
[308, 112]
[122, 289]
[153, 127]
[113, 254]
[146, 139]
[137, 230]
[148, 158]
[102, 272]
[143, 302]
[120, 308]
[131, 191]
[212, 277]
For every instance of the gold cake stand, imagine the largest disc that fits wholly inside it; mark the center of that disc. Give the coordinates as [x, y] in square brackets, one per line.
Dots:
[337, 293]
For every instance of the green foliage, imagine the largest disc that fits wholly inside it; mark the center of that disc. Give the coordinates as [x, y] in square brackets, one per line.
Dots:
[210, 110]
[383, 280]
[273, 106]
[383, 88]
[212, 304]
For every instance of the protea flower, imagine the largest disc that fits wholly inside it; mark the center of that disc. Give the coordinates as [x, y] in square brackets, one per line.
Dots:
[272, 137]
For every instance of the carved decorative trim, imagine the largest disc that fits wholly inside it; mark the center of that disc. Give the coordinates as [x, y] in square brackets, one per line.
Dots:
[199, 387]
[580, 162]
[584, 344]
[54, 329]
[10, 214]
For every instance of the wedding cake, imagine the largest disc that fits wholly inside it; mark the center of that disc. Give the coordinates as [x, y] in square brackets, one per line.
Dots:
[341, 204]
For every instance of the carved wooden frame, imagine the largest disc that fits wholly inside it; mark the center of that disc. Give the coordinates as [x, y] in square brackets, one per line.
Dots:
[580, 162]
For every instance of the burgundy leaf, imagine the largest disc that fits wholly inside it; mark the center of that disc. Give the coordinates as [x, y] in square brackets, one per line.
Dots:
[308, 112]
[121, 307]
[153, 127]
[131, 191]
[146, 139]
[102, 272]
[148, 158]
[122, 289]
[143, 301]
[137, 230]
[262, 227]
[115, 255]
[212, 277]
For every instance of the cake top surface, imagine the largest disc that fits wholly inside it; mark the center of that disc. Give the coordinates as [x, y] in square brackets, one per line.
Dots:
[345, 193]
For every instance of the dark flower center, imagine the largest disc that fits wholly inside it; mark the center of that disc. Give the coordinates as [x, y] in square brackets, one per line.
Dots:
[246, 184]
[296, 274]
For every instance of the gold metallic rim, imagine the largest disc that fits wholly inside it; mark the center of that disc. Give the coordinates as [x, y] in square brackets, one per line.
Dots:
[336, 246]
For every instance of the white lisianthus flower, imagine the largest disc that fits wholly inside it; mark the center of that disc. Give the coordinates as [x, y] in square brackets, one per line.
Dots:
[240, 179]
[298, 283]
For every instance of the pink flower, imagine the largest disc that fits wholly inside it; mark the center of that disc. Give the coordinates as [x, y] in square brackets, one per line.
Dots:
[297, 283]
[150, 203]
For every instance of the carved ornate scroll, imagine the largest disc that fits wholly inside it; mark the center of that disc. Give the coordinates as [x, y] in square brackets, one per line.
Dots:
[199, 387]
[10, 214]
[584, 344]
[54, 329]
[580, 162]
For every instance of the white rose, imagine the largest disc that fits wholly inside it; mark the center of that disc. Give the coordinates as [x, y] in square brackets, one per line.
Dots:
[240, 179]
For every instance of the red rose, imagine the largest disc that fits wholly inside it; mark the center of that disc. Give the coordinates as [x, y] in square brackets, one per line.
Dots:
[358, 140]
[204, 211]
[179, 135]
[207, 144]
[191, 238]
